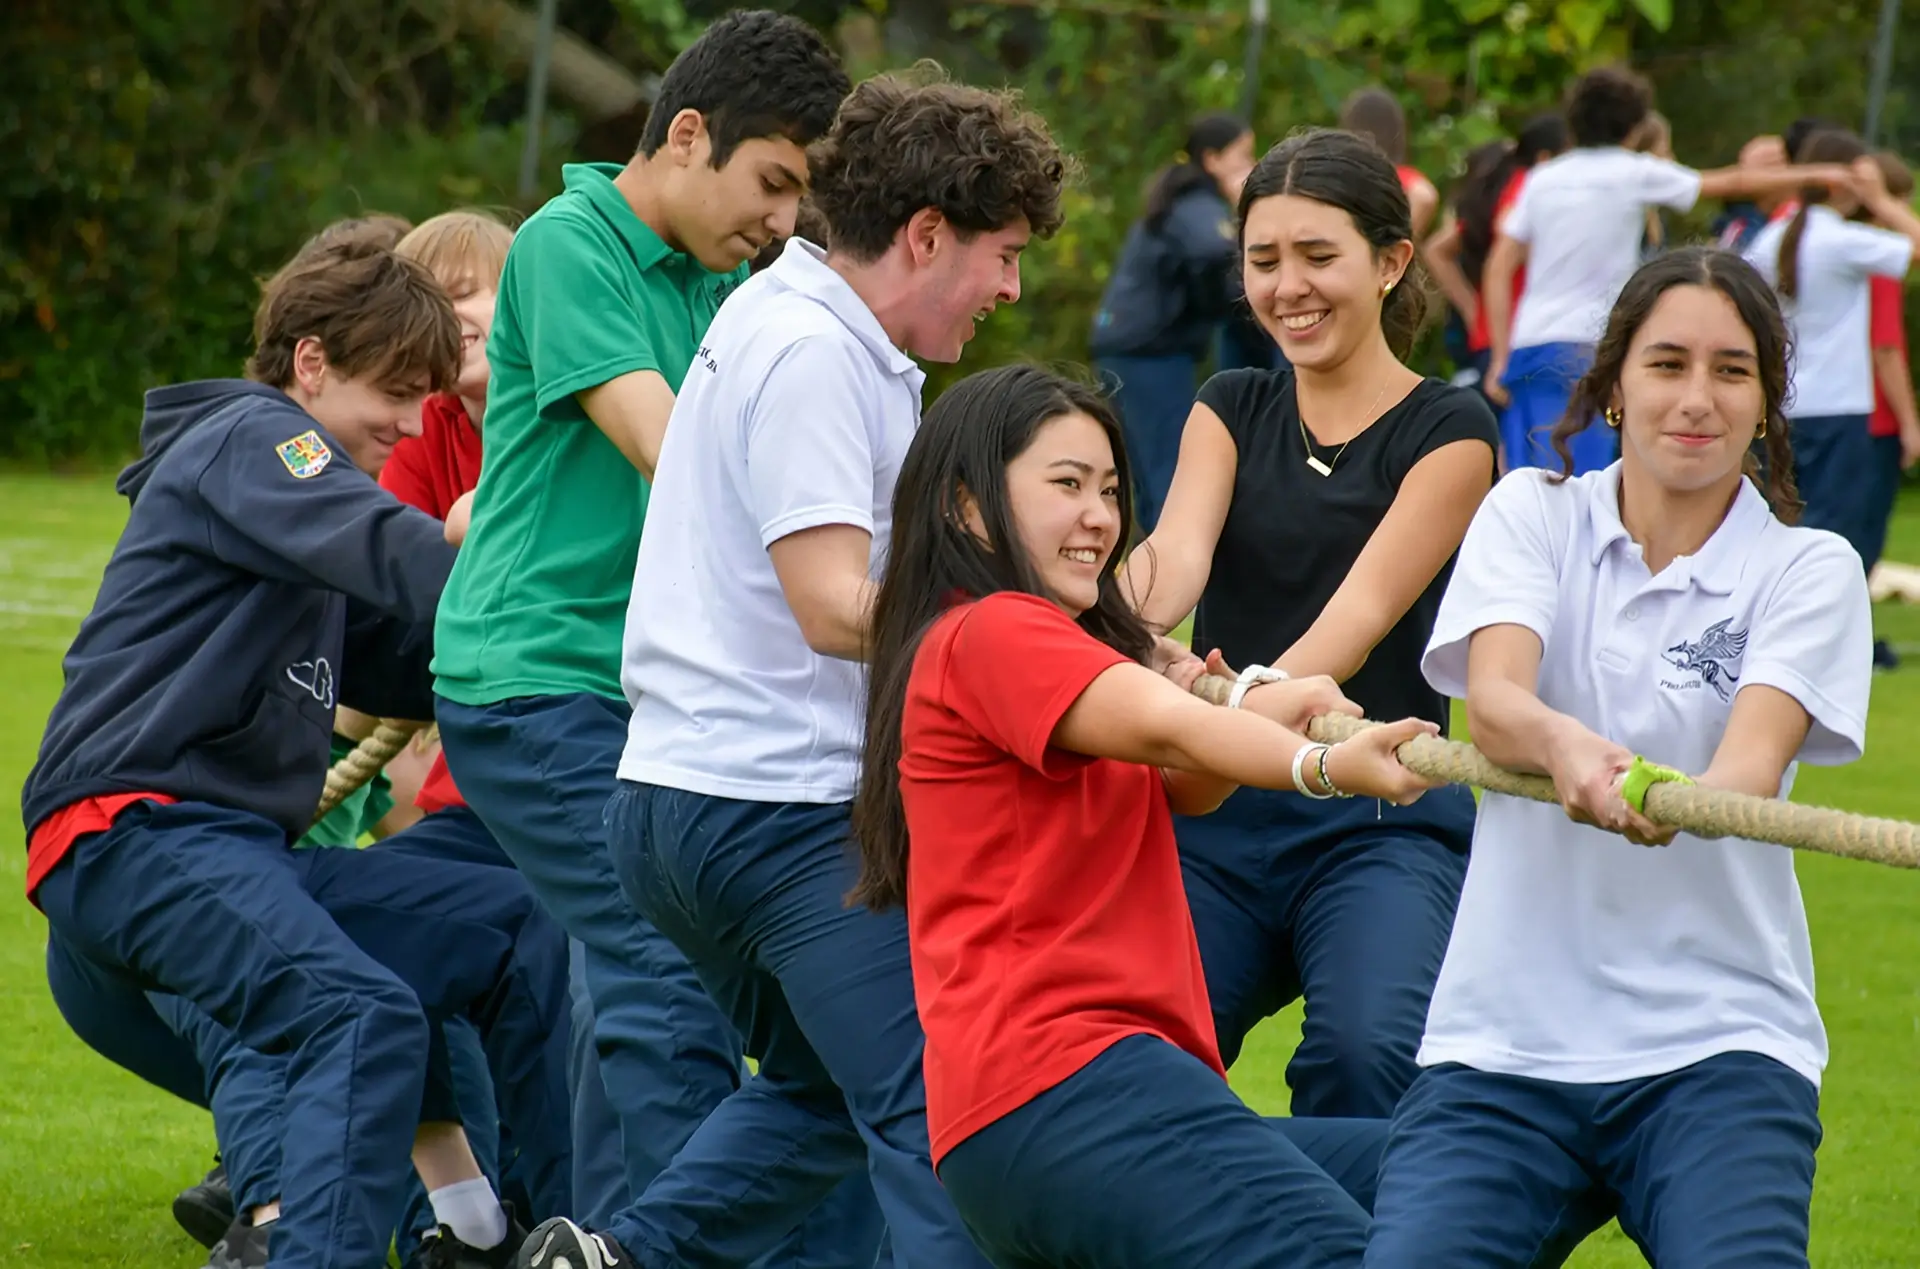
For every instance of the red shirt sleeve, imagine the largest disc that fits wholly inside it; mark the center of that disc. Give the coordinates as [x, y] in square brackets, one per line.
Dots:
[1889, 308]
[1015, 665]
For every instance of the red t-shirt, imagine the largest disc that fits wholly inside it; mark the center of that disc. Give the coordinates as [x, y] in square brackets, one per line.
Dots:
[54, 836]
[1888, 329]
[430, 471]
[1478, 338]
[1045, 909]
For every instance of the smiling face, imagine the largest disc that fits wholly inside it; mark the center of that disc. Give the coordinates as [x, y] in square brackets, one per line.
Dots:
[473, 304]
[1314, 283]
[724, 216]
[962, 281]
[1690, 397]
[1064, 497]
[366, 418]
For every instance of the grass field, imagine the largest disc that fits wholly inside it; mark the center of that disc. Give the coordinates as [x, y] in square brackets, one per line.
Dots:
[90, 1156]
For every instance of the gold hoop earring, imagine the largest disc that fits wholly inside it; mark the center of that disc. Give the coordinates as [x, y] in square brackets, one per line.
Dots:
[1761, 434]
[1386, 290]
[1612, 417]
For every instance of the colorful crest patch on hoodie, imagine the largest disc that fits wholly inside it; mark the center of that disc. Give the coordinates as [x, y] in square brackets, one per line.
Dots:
[306, 455]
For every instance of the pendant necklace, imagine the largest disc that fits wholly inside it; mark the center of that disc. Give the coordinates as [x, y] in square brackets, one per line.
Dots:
[1313, 460]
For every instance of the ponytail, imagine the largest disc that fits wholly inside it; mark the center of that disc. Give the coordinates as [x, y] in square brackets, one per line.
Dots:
[1829, 145]
[1405, 310]
[1787, 267]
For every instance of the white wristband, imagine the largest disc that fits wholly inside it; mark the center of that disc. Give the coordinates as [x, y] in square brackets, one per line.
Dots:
[1300, 759]
[1250, 678]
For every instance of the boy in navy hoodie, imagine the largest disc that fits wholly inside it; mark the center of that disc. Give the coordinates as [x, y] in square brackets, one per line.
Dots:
[264, 578]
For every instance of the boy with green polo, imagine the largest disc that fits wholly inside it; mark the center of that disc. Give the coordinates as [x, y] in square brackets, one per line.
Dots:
[606, 294]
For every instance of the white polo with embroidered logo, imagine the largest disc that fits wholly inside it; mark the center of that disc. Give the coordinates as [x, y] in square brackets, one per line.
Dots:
[1576, 955]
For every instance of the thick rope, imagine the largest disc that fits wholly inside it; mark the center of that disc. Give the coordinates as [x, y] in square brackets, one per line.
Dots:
[1689, 808]
[367, 760]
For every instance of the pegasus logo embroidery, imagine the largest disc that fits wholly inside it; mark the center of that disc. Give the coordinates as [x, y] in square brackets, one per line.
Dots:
[1710, 656]
[316, 677]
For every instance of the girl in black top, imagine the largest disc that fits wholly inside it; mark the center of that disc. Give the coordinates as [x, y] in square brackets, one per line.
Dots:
[1313, 519]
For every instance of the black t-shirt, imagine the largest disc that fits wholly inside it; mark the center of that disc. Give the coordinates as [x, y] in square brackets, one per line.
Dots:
[1291, 534]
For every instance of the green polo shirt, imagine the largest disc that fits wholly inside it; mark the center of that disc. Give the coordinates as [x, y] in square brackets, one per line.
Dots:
[538, 598]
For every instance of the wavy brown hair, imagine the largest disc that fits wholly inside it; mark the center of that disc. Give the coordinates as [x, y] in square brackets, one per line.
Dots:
[1759, 310]
[378, 315]
[902, 144]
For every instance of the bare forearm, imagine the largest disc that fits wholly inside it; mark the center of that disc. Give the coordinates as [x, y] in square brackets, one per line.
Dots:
[840, 628]
[1163, 583]
[1229, 747]
[1895, 377]
[1514, 728]
[1442, 255]
[1496, 286]
[1191, 793]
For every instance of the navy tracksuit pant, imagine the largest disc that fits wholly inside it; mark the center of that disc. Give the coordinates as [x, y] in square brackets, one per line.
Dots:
[336, 958]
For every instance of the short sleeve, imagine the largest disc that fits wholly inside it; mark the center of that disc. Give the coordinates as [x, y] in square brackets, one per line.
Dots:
[573, 304]
[1015, 665]
[1889, 308]
[1458, 414]
[1876, 252]
[1664, 183]
[1507, 574]
[809, 452]
[1234, 396]
[1814, 641]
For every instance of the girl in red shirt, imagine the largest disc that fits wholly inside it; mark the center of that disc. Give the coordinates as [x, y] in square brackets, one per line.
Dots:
[1077, 1108]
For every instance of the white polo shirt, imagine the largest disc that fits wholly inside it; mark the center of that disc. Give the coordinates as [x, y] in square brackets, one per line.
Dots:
[1830, 316]
[1583, 215]
[1577, 956]
[796, 413]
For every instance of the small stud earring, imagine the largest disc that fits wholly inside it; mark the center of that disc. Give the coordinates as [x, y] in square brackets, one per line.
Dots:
[1386, 290]
[1613, 417]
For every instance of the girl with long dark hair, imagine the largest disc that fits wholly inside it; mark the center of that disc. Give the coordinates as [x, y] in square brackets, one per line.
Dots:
[1620, 1030]
[1311, 520]
[1170, 295]
[1020, 767]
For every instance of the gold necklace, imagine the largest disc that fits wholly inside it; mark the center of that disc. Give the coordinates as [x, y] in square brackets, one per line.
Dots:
[1313, 460]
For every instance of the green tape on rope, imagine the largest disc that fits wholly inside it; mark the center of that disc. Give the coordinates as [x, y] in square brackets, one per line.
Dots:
[1643, 775]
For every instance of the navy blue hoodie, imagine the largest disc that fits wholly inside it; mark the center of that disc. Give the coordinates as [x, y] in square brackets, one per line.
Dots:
[261, 579]
[1174, 282]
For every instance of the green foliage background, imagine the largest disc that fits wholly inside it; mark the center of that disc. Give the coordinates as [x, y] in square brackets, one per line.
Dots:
[158, 156]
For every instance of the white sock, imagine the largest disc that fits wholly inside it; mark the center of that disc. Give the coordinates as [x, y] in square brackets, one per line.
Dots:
[472, 1211]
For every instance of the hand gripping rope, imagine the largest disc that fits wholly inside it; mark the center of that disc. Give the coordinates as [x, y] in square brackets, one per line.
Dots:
[366, 761]
[1669, 798]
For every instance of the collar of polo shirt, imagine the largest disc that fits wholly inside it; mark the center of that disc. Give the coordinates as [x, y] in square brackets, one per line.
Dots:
[1715, 567]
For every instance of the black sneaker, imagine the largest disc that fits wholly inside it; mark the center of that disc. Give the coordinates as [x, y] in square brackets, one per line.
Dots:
[561, 1244]
[439, 1249]
[242, 1247]
[1884, 657]
[206, 1210]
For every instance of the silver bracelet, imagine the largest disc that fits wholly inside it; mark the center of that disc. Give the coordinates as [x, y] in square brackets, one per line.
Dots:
[1251, 677]
[1300, 758]
[1326, 781]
